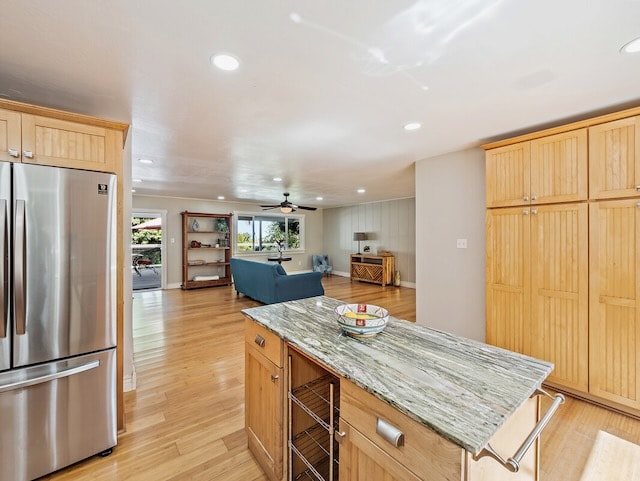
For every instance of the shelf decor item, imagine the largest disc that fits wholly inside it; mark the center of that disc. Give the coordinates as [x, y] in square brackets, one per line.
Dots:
[195, 225]
[221, 225]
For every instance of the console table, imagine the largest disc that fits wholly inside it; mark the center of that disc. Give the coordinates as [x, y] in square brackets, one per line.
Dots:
[369, 268]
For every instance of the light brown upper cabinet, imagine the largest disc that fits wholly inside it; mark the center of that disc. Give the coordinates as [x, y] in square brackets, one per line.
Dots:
[10, 144]
[69, 144]
[614, 159]
[42, 140]
[548, 170]
[614, 314]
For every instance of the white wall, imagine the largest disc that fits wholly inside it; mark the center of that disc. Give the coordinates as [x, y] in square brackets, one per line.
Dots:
[173, 230]
[390, 225]
[450, 205]
[129, 372]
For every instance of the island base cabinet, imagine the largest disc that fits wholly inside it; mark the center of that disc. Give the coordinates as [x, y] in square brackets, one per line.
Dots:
[506, 441]
[264, 404]
[419, 453]
[361, 460]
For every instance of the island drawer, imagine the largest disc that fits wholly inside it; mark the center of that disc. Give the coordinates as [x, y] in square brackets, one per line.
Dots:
[264, 341]
[412, 444]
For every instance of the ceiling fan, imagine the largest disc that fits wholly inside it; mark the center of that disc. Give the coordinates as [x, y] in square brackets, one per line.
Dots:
[285, 206]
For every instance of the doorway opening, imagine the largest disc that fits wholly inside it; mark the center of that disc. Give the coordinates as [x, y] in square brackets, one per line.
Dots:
[147, 250]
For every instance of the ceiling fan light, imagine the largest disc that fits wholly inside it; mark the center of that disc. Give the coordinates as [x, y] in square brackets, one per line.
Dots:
[286, 210]
[631, 47]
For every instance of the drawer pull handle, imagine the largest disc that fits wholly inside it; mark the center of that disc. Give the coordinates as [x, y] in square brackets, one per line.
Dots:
[513, 463]
[390, 433]
[274, 378]
[259, 340]
[339, 436]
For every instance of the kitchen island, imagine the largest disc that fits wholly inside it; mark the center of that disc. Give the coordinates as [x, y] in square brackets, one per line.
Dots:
[412, 402]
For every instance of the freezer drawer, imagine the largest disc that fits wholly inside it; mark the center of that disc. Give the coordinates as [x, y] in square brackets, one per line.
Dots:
[56, 414]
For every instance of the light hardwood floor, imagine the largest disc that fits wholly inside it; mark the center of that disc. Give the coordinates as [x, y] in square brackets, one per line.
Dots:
[185, 421]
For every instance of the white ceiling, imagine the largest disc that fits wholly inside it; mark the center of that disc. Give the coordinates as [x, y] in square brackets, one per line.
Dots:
[320, 102]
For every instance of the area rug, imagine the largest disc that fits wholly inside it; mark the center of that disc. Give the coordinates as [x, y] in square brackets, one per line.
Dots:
[612, 459]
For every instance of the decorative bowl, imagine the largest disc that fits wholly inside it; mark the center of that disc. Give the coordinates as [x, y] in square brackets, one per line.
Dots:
[362, 320]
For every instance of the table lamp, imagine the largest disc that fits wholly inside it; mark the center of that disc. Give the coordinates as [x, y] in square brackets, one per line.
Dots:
[359, 236]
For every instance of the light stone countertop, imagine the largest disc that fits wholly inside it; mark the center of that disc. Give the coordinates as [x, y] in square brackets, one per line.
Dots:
[462, 389]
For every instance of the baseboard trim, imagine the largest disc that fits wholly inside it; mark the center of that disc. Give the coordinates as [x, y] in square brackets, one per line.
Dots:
[130, 381]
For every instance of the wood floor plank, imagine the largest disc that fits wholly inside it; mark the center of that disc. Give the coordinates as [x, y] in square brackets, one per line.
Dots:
[185, 421]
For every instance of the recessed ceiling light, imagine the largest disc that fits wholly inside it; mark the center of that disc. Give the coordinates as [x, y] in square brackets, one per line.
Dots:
[136, 180]
[319, 198]
[361, 191]
[146, 161]
[221, 197]
[225, 61]
[412, 126]
[631, 47]
[133, 191]
[277, 179]
[295, 17]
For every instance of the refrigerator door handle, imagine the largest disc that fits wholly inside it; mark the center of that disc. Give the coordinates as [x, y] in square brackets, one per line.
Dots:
[3, 267]
[49, 377]
[19, 268]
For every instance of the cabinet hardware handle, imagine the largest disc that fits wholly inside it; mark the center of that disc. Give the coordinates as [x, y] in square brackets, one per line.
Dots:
[274, 377]
[525, 212]
[14, 153]
[339, 436]
[637, 186]
[638, 204]
[534, 211]
[28, 154]
[534, 197]
[390, 433]
[513, 463]
[259, 340]
[525, 198]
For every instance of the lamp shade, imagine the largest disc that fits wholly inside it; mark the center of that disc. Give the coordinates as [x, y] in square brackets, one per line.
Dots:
[359, 236]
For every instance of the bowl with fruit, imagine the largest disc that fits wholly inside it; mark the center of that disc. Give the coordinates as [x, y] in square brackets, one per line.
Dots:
[362, 320]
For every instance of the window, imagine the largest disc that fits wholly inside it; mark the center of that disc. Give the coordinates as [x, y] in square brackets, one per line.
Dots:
[267, 232]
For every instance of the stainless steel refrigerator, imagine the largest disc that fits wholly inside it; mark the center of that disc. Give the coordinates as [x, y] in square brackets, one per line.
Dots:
[57, 319]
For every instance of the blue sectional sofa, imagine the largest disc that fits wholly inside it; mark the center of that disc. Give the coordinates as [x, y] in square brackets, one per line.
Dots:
[269, 283]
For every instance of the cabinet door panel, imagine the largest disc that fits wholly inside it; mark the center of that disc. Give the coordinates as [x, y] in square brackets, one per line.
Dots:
[559, 168]
[508, 175]
[68, 144]
[508, 279]
[614, 315]
[614, 159]
[361, 460]
[264, 411]
[559, 291]
[9, 134]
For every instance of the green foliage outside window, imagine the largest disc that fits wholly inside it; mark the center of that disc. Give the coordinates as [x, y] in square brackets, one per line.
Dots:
[264, 233]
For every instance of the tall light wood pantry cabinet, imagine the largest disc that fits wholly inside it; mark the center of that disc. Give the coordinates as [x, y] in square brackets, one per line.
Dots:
[45, 136]
[563, 267]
